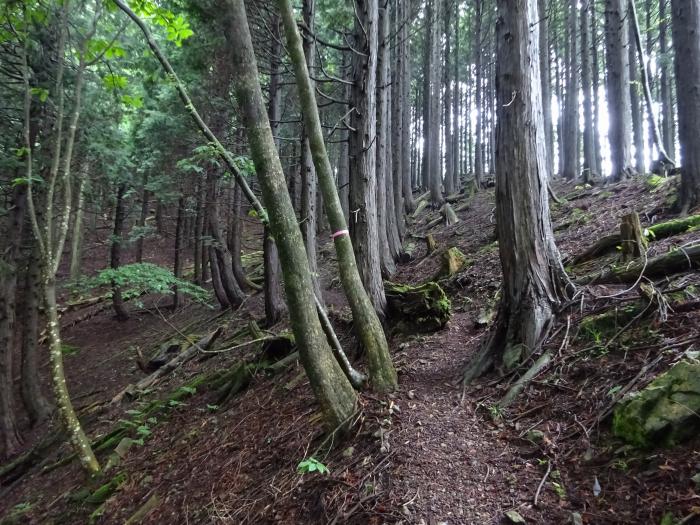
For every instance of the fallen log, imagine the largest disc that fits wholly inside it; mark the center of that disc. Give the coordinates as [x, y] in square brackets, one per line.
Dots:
[447, 214]
[655, 232]
[203, 344]
[676, 261]
[601, 246]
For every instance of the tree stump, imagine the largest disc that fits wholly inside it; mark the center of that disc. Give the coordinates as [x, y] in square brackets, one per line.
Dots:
[632, 237]
[431, 243]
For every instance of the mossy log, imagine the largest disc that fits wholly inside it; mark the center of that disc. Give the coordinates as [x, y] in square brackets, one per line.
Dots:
[417, 309]
[676, 261]
[422, 205]
[655, 232]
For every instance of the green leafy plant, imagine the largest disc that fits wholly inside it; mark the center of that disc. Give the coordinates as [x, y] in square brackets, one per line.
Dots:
[142, 278]
[312, 465]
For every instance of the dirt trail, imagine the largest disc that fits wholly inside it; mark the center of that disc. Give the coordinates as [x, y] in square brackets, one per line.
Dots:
[444, 457]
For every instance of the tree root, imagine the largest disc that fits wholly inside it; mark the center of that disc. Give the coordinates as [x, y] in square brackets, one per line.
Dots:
[525, 379]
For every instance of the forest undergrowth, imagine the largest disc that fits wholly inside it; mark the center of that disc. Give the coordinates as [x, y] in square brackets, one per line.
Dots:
[233, 434]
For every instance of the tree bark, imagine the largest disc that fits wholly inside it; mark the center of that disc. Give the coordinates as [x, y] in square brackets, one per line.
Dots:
[367, 323]
[478, 160]
[77, 237]
[36, 404]
[635, 101]
[667, 109]
[177, 256]
[363, 175]
[571, 120]
[234, 294]
[686, 44]
[544, 24]
[116, 250]
[534, 281]
[589, 130]
[274, 302]
[617, 85]
[383, 115]
[405, 103]
[333, 390]
[10, 437]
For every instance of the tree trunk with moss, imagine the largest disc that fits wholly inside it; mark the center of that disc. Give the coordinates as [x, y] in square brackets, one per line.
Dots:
[77, 437]
[534, 281]
[381, 369]
[332, 389]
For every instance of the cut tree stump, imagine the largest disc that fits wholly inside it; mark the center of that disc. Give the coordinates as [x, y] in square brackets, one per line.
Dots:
[431, 243]
[416, 309]
[449, 214]
[453, 261]
[631, 237]
[677, 261]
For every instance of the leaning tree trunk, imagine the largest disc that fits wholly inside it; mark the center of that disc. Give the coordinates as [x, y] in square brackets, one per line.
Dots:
[77, 436]
[367, 324]
[686, 43]
[333, 390]
[534, 281]
[619, 105]
[363, 175]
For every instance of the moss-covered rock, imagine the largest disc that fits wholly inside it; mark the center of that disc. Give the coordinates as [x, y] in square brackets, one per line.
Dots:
[664, 413]
[415, 309]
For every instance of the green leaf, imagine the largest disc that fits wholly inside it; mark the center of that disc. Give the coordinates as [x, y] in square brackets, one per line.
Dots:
[42, 93]
[112, 81]
[312, 465]
[132, 101]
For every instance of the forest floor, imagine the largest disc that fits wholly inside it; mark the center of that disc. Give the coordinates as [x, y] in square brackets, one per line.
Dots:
[432, 453]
